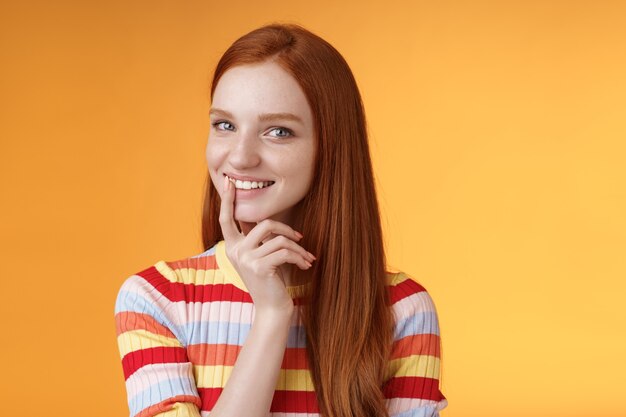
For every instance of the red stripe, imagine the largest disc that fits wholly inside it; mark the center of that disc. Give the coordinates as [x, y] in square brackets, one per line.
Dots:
[294, 402]
[128, 320]
[168, 404]
[177, 291]
[283, 401]
[417, 344]
[209, 397]
[213, 354]
[295, 358]
[413, 387]
[404, 289]
[132, 361]
[203, 262]
[226, 355]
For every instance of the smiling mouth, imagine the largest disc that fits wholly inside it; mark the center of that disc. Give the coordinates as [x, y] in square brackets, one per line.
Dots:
[249, 185]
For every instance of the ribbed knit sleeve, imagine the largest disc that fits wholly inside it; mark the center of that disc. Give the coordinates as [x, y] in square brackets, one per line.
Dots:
[151, 340]
[412, 387]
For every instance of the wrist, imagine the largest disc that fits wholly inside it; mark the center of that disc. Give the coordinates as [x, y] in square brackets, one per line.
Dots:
[274, 315]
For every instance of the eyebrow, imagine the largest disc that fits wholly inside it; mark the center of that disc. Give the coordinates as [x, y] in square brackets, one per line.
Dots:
[265, 117]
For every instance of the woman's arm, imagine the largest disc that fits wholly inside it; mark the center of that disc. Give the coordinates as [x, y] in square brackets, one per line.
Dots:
[250, 387]
[158, 374]
[258, 256]
[413, 380]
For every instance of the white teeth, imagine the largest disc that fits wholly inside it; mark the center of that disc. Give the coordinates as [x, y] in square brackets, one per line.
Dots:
[248, 185]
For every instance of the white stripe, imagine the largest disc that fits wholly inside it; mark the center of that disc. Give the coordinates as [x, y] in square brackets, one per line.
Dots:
[400, 405]
[182, 313]
[152, 374]
[414, 303]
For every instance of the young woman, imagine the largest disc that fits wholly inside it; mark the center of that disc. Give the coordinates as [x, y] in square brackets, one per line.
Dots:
[290, 310]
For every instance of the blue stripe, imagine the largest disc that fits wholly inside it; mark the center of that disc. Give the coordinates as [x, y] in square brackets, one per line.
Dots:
[426, 411]
[208, 252]
[217, 332]
[221, 332]
[420, 323]
[133, 302]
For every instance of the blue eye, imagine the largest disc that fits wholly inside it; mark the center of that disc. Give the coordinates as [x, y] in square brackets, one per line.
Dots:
[286, 132]
[216, 124]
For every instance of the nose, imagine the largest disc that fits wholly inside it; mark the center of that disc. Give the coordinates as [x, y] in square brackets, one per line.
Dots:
[244, 153]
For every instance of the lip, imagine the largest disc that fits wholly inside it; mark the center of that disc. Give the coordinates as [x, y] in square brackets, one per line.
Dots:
[249, 194]
[244, 177]
[242, 194]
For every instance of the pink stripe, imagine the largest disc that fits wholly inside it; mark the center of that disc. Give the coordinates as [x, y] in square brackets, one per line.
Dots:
[153, 374]
[224, 311]
[138, 285]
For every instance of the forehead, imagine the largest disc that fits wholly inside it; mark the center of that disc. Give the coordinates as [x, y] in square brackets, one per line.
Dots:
[260, 88]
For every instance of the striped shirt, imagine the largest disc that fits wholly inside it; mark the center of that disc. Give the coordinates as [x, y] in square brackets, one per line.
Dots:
[181, 324]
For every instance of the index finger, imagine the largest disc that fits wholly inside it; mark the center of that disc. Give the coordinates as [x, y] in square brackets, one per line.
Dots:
[227, 221]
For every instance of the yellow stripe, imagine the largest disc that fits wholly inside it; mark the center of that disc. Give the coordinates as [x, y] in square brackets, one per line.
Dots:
[414, 365]
[226, 273]
[133, 340]
[217, 376]
[211, 376]
[224, 264]
[395, 278]
[191, 275]
[295, 380]
[166, 271]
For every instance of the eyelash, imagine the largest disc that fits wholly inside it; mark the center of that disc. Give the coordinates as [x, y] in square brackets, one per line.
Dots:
[219, 123]
[289, 131]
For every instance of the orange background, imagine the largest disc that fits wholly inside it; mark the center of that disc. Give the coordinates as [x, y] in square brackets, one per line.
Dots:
[498, 135]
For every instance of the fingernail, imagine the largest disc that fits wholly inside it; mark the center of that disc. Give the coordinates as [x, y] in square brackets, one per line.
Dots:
[311, 255]
[300, 235]
[308, 263]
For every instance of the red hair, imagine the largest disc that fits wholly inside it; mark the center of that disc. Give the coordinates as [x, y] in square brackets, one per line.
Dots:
[348, 321]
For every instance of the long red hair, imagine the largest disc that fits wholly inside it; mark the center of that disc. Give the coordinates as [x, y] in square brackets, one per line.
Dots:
[348, 321]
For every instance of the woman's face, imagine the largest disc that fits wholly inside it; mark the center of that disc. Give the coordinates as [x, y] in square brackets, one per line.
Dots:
[262, 136]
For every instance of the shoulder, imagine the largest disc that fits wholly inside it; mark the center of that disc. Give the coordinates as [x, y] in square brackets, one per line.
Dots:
[168, 280]
[400, 285]
[412, 305]
[402, 288]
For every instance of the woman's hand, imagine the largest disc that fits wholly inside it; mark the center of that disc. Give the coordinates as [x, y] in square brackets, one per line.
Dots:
[258, 255]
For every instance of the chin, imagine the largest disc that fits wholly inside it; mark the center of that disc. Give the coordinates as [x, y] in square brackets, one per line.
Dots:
[247, 216]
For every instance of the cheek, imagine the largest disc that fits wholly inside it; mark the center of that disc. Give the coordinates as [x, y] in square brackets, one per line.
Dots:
[214, 156]
[308, 163]
[302, 169]
[215, 181]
